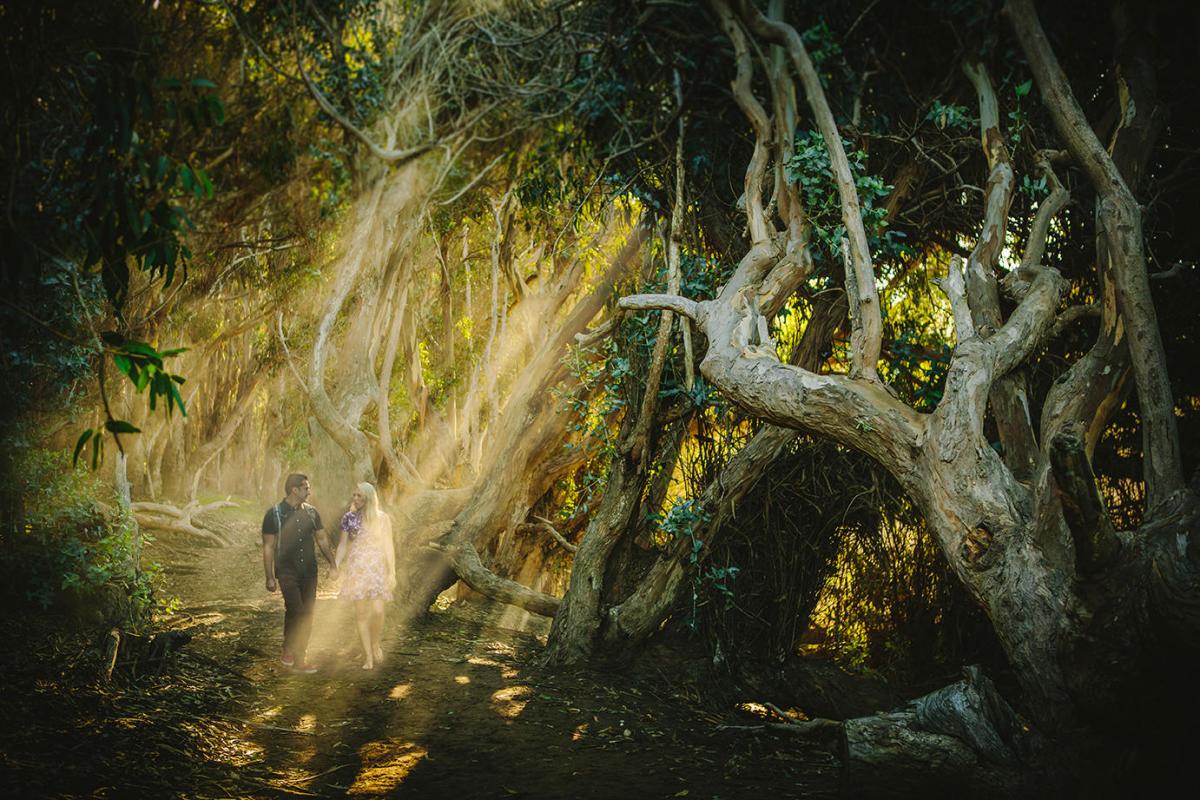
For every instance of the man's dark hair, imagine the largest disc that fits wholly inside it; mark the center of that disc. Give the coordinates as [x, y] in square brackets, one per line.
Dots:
[293, 482]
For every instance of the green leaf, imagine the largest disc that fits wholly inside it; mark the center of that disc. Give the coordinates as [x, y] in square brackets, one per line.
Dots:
[203, 83]
[141, 348]
[215, 108]
[178, 399]
[202, 176]
[1022, 89]
[120, 426]
[79, 445]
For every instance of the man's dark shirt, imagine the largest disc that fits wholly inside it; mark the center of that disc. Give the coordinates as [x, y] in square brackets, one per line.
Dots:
[295, 552]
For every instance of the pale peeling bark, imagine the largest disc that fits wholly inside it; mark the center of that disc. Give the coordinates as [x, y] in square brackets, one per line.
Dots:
[1121, 220]
[1009, 398]
[573, 636]
[977, 509]
[865, 313]
[347, 436]
[755, 215]
[166, 517]
[468, 566]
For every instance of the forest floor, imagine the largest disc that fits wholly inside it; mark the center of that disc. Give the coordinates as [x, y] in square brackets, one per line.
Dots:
[461, 708]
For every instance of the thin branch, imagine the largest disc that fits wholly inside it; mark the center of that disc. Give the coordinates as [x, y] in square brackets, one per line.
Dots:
[546, 526]
[756, 217]
[866, 355]
[658, 302]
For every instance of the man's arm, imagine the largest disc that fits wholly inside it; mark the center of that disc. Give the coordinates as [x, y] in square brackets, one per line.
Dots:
[327, 551]
[269, 544]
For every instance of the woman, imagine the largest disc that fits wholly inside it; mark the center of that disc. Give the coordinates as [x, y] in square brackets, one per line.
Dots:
[367, 559]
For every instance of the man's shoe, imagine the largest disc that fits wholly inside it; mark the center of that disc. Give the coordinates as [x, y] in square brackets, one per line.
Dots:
[287, 661]
[306, 668]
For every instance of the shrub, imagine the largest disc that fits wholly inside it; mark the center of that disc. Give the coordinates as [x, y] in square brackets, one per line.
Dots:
[69, 546]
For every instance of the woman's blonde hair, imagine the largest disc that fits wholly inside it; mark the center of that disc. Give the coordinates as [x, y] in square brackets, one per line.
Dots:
[373, 516]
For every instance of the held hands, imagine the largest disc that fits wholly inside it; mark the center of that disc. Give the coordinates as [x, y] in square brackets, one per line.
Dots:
[333, 572]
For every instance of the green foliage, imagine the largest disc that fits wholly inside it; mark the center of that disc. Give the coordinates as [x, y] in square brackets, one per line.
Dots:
[810, 169]
[73, 548]
[99, 154]
[821, 43]
[114, 190]
[951, 116]
[915, 365]
[708, 580]
[142, 364]
[1018, 118]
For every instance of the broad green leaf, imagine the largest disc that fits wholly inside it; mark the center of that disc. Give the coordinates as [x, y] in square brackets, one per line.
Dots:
[79, 445]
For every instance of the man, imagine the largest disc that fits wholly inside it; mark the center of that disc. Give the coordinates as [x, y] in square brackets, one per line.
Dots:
[290, 529]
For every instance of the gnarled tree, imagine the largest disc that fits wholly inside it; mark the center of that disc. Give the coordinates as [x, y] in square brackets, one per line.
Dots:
[1092, 620]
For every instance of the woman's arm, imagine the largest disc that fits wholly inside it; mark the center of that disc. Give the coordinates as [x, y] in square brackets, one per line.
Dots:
[389, 550]
[340, 555]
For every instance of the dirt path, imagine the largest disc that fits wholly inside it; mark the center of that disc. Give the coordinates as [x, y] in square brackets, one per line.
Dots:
[460, 709]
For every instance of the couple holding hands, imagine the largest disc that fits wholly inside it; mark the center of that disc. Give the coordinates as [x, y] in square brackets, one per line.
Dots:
[292, 530]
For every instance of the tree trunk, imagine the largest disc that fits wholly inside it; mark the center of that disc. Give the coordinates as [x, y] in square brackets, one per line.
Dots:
[531, 432]
[1084, 621]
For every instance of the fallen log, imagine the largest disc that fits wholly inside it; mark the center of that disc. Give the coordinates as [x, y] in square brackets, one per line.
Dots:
[167, 517]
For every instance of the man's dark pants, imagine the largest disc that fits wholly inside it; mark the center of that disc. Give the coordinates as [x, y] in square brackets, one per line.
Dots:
[299, 599]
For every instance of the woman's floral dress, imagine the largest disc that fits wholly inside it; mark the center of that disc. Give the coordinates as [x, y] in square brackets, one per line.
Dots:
[365, 573]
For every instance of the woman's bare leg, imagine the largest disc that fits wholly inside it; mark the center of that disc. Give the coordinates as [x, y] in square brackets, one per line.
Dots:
[362, 620]
[377, 611]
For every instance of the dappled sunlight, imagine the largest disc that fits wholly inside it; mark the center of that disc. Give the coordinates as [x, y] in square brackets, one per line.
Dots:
[385, 766]
[269, 714]
[506, 672]
[511, 701]
[461, 680]
[400, 691]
